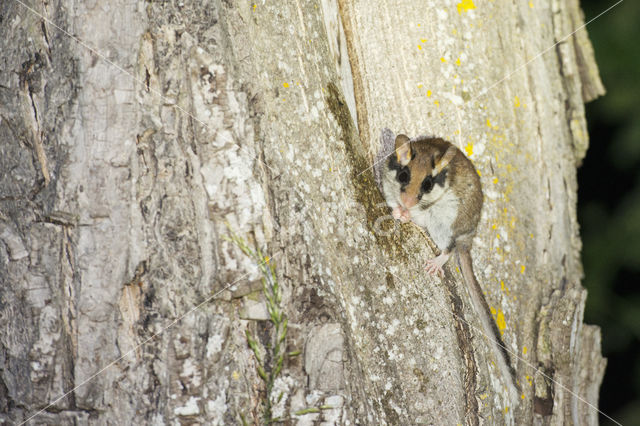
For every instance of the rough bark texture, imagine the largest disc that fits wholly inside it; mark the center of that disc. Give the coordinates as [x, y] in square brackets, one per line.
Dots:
[127, 150]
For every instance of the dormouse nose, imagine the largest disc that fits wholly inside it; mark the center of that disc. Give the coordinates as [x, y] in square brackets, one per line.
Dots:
[408, 200]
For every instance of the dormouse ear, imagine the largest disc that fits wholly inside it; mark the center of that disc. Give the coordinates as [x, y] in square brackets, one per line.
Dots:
[403, 149]
[439, 164]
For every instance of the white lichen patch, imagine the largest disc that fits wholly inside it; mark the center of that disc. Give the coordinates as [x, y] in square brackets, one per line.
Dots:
[395, 354]
[284, 67]
[392, 328]
[334, 401]
[478, 149]
[217, 408]
[313, 397]
[44, 349]
[492, 195]
[214, 345]
[190, 373]
[403, 292]
[488, 270]
[333, 415]
[280, 393]
[353, 317]
[453, 98]
[191, 407]
[437, 353]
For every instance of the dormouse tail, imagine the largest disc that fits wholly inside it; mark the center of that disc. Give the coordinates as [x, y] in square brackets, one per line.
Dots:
[486, 318]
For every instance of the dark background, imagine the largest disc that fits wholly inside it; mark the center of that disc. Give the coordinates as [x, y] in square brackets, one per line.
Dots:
[609, 205]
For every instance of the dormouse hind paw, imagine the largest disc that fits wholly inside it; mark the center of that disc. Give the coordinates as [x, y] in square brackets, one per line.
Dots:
[434, 266]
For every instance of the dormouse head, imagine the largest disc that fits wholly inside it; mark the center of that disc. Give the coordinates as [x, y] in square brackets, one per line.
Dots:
[421, 168]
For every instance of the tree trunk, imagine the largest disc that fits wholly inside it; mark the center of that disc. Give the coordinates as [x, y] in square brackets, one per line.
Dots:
[135, 136]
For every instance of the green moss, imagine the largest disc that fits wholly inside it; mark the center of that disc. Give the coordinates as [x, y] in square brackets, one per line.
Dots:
[363, 181]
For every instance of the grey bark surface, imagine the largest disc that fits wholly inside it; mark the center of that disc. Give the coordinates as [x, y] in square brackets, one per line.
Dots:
[134, 135]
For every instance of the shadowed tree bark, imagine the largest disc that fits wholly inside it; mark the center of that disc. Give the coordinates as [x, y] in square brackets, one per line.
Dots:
[135, 136]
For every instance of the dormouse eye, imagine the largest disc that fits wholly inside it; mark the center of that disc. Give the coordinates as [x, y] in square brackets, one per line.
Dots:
[427, 184]
[403, 176]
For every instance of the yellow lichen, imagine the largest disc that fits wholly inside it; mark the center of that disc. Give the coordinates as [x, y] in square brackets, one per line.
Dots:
[465, 5]
[500, 322]
[469, 149]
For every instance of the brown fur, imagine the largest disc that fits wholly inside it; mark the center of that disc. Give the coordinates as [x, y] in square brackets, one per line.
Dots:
[462, 176]
[457, 220]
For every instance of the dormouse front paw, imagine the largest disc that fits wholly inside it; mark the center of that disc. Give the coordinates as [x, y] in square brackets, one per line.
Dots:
[402, 214]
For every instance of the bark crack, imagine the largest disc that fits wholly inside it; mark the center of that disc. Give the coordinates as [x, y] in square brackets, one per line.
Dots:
[30, 82]
[356, 70]
[43, 27]
[463, 336]
[69, 319]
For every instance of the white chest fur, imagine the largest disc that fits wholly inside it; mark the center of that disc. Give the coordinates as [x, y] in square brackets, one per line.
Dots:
[438, 218]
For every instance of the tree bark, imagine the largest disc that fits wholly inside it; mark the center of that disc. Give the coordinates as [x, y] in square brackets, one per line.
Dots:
[135, 136]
